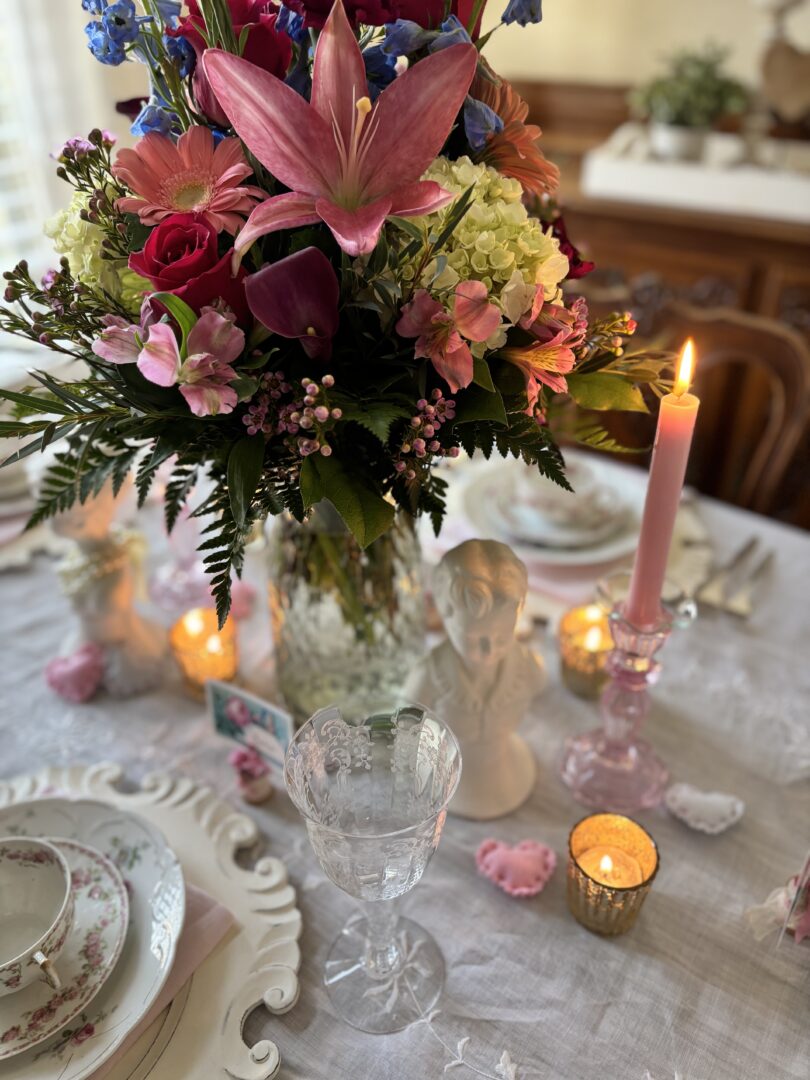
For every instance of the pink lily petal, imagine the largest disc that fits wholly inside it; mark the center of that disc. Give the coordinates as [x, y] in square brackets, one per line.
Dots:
[213, 333]
[423, 197]
[207, 400]
[358, 230]
[159, 359]
[279, 212]
[118, 343]
[297, 297]
[285, 133]
[473, 314]
[338, 74]
[423, 102]
[417, 317]
[454, 363]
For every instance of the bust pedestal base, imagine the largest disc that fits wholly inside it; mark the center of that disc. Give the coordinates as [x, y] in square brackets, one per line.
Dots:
[497, 776]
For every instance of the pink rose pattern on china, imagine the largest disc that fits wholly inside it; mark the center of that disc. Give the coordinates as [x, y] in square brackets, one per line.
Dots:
[51, 1016]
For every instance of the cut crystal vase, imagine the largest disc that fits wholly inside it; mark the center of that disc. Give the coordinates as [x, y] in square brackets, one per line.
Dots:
[374, 797]
[613, 767]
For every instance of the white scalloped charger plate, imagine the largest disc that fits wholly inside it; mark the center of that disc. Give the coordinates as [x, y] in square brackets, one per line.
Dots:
[92, 950]
[154, 880]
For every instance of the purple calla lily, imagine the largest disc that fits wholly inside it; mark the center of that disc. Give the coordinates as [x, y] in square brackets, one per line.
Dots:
[297, 297]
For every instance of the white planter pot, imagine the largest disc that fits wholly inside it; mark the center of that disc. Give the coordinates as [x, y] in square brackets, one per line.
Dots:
[673, 143]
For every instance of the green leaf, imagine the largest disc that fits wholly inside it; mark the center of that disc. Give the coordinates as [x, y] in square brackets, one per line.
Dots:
[475, 403]
[482, 375]
[245, 387]
[245, 463]
[375, 416]
[36, 404]
[179, 311]
[366, 514]
[606, 392]
[596, 436]
[408, 227]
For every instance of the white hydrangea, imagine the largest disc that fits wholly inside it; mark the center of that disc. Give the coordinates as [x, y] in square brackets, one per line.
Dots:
[80, 241]
[496, 242]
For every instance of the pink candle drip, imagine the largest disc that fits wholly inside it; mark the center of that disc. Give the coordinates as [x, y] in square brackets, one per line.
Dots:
[673, 438]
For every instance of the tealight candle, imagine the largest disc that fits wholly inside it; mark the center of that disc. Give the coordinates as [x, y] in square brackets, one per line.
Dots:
[202, 650]
[611, 865]
[585, 642]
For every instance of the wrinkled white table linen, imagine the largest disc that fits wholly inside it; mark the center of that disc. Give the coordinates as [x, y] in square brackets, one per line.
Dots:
[530, 994]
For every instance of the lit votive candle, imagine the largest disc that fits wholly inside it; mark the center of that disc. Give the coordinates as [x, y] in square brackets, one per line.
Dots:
[202, 650]
[611, 865]
[585, 642]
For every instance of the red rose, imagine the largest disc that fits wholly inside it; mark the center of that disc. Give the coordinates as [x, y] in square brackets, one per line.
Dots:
[428, 13]
[181, 257]
[265, 46]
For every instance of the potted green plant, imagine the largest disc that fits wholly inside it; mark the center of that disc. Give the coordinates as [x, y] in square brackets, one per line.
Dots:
[683, 104]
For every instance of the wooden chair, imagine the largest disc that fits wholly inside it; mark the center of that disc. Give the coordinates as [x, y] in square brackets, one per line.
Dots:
[753, 378]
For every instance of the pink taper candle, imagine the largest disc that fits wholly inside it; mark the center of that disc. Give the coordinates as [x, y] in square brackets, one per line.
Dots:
[673, 438]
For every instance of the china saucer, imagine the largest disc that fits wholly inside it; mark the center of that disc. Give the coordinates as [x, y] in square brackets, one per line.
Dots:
[91, 952]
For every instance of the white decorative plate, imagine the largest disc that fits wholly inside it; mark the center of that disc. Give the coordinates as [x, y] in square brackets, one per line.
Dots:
[91, 952]
[710, 812]
[199, 1036]
[154, 880]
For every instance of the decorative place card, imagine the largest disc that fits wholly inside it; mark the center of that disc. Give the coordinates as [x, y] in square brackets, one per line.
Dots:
[252, 722]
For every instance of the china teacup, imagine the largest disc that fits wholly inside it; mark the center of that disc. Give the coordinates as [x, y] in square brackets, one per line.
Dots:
[36, 911]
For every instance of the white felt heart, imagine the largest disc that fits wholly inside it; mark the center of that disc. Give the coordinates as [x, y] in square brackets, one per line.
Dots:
[709, 811]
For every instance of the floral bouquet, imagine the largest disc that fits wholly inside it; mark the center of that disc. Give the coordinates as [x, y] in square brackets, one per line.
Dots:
[331, 260]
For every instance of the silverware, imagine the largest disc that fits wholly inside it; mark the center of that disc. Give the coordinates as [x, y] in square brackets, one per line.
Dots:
[712, 589]
[740, 602]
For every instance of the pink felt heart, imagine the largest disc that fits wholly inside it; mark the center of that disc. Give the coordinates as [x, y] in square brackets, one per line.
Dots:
[76, 677]
[522, 870]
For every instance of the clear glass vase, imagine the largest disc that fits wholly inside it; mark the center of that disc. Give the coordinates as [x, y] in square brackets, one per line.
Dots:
[348, 623]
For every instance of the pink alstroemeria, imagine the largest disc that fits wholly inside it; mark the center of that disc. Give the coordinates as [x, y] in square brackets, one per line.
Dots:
[347, 162]
[297, 297]
[440, 333]
[119, 342]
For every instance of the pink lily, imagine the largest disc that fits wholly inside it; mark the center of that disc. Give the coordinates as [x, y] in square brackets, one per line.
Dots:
[440, 333]
[347, 162]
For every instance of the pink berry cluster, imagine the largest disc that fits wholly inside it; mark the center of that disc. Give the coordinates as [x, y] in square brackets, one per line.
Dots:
[305, 419]
[421, 439]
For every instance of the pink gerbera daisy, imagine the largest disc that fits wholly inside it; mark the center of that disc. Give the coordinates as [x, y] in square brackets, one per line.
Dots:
[190, 177]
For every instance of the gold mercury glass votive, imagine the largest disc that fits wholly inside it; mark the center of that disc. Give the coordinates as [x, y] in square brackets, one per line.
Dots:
[585, 642]
[202, 650]
[611, 865]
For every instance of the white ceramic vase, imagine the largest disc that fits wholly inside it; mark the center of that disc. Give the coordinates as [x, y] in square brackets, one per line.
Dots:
[672, 142]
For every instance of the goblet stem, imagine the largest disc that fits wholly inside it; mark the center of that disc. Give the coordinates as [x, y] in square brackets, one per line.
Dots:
[383, 956]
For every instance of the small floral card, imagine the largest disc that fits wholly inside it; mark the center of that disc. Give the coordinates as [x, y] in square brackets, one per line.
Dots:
[252, 722]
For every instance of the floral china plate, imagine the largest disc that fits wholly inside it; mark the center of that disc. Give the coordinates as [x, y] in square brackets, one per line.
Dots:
[92, 950]
[154, 882]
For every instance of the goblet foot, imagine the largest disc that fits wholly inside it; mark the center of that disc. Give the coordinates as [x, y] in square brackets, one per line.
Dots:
[382, 1003]
[620, 777]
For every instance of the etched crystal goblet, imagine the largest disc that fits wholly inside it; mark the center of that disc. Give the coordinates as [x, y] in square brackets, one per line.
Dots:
[374, 796]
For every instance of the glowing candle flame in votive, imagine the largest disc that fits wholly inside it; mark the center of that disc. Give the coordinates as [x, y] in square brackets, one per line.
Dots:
[194, 623]
[686, 368]
[606, 864]
[214, 644]
[593, 639]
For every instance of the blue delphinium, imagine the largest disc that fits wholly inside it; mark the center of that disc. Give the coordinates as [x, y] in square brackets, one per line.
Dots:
[169, 11]
[120, 21]
[292, 24]
[181, 53]
[480, 122]
[381, 69]
[523, 12]
[154, 116]
[403, 38]
[453, 32]
[105, 49]
[95, 7]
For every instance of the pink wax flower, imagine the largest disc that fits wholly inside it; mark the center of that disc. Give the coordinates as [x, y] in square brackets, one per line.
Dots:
[248, 762]
[440, 333]
[191, 176]
[76, 677]
[346, 162]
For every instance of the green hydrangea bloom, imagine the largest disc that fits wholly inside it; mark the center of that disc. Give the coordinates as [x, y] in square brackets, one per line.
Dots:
[81, 241]
[496, 242]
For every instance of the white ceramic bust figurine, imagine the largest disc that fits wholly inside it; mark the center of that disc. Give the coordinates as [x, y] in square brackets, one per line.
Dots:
[98, 579]
[481, 680]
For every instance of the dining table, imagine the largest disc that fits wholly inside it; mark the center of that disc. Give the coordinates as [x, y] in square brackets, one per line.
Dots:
[688, 994]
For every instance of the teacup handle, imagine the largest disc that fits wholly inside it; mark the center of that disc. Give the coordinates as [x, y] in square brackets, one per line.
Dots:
[48, 970]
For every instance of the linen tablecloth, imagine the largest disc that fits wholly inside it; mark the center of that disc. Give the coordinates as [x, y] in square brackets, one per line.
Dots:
[530, 994]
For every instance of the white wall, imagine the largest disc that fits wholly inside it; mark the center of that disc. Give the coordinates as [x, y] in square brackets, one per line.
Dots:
[625, 41]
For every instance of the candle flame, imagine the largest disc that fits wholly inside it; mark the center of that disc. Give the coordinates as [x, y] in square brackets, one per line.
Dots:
[194, 622]
[593, 613]
[686, 368]
[606, 864]
[593, 639]
[213, 645]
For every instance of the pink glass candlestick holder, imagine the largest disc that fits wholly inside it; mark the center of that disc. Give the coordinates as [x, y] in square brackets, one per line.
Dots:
[613, 768]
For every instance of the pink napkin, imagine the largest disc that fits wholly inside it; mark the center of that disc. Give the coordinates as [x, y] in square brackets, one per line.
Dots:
[207, 922]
